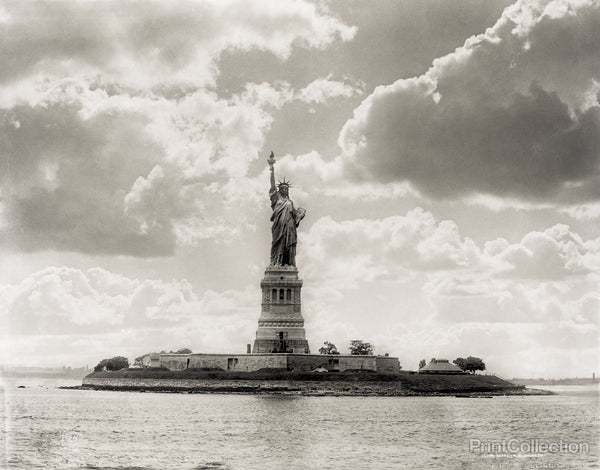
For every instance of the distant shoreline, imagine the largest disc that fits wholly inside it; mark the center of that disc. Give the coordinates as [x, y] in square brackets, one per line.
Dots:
[569, 381]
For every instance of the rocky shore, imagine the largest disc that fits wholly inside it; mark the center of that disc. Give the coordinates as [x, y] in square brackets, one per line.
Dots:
[304, 384]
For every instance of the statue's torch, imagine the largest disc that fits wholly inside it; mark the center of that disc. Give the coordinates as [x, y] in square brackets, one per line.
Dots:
[271, 160]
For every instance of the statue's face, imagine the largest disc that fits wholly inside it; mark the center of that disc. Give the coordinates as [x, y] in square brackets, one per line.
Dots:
[283, 190]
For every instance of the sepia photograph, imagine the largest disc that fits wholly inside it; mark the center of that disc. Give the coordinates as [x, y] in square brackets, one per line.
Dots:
[300, 234]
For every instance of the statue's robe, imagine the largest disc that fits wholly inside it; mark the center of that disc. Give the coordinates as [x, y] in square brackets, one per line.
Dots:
[283, 247]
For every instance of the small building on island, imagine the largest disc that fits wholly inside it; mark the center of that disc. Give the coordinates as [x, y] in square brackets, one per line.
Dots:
[440, 366]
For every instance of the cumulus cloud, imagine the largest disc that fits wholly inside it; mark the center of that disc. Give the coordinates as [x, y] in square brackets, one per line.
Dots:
[502, 115]
[89, 172]
[395, 247]
[112, 133]
[107, 308]
[553, 254]
[98, 300]
[470, 298]
[583, 211]
[547, 282]
[322, 89]
[152, 44]
[63, 178]
[538, 294]
[382, 249]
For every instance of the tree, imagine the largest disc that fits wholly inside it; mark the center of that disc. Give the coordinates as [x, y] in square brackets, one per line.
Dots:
[470, 364]
[461, 362]
[422, 363]
[183, 351]
[360, 348]
[114, 363]
[475, 364]
[328, 348]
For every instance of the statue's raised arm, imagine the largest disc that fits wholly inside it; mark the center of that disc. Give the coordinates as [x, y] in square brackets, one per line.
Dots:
[271, 162]
[285, 219]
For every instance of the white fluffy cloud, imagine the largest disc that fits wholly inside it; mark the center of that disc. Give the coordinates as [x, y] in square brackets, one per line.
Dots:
[584, 211]
[502, 115]
[107, 308]
[98, 300]
[322, 89]
[380, 249]
[555, 253]
[154, 43]
[392, 247]
[539, 294]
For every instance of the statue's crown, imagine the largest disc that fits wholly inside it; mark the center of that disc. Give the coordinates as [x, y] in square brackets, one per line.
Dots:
[284, 183]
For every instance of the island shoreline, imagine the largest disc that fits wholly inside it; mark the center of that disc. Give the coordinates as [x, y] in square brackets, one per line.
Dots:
[304, 393]
[303, 384]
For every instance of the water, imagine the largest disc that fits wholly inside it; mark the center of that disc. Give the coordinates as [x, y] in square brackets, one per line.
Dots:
[46, 427]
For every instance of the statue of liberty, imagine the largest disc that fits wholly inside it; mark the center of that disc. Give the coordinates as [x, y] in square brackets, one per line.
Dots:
[285, 219]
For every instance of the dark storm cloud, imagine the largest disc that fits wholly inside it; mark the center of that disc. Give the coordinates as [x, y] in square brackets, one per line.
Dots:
[64, 180]
[497, 116]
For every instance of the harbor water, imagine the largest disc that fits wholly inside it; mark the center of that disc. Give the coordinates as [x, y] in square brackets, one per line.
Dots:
[48, 427]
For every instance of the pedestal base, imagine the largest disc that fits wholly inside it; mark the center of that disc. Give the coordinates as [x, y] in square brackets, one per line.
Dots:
[280, 325]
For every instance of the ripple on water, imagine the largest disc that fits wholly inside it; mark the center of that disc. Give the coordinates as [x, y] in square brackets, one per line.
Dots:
[51, 428]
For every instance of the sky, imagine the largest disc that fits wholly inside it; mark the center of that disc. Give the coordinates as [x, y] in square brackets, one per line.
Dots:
[447, 153]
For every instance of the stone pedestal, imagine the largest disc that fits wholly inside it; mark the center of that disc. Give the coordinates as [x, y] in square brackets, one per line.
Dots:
[280, 325]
